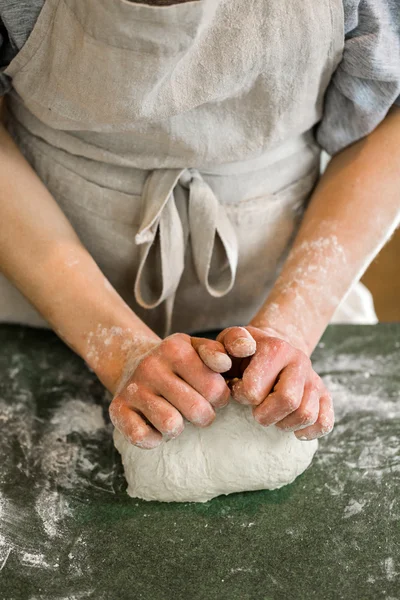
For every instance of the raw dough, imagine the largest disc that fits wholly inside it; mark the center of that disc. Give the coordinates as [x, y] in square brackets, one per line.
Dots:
[234, 454]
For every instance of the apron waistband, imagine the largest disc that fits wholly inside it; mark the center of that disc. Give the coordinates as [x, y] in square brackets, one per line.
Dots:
[170, 219]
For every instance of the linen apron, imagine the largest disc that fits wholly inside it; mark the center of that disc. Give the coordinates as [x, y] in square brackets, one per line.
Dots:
[178, 142]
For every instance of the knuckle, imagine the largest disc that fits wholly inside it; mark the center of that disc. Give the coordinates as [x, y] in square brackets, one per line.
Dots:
[300, 361]
[272, 346]
[177, 347]
[280, 346]
[148, 364]
[290, 401]
[307, 417]
[314, 389]
[171, 343]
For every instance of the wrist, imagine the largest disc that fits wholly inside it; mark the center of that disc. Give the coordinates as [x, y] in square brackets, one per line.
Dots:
[277, 320]
[90, 316]
[113, 351]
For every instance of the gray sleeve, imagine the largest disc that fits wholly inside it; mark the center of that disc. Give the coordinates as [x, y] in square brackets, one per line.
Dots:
[367, 81]
[17, 19]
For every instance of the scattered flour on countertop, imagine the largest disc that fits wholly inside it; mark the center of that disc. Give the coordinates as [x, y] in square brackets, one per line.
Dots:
[68, 460]
[359, 387]
[74, 596]
[242, 570]
[346, 400]
[344, 364]
[390, 569]
[354, 508]
[52, 507]
[77, 416]
[10, 545]
[63, 459]
[29, 559]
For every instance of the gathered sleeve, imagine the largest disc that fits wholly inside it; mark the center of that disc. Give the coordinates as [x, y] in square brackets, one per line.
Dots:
[366, 83]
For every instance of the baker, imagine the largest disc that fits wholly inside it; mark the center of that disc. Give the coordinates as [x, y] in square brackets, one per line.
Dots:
[160, 176]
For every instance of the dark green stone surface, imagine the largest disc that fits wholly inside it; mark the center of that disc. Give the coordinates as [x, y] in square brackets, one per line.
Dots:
[69, 531]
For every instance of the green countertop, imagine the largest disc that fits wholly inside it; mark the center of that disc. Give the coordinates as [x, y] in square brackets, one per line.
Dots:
[68, 530]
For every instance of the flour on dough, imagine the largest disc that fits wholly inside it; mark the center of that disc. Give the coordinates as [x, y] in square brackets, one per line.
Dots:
[234, 454]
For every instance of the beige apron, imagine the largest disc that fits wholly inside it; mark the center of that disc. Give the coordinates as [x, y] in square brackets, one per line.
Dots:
[178, 142]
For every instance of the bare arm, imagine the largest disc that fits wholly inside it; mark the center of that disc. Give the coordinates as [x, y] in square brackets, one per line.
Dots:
[354, 210]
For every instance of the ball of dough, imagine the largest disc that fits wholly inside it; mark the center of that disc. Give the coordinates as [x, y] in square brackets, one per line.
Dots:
[234, 454]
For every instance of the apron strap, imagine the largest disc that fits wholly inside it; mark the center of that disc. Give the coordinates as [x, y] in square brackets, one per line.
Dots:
[164, 233]
[213, 238]
[162, 239]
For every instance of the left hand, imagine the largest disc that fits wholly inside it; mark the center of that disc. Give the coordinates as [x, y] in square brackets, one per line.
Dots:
[279, 382]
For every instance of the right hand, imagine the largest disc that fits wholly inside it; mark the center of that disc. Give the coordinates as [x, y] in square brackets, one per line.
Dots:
[168, 384]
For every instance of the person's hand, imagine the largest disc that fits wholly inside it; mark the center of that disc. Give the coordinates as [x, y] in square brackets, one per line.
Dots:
[167, 384]
[279, 382]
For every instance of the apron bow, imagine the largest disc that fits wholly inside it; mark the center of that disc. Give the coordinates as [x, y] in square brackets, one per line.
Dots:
[170, 219]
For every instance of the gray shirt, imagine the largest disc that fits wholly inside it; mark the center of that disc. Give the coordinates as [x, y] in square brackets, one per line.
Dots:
[364, 87]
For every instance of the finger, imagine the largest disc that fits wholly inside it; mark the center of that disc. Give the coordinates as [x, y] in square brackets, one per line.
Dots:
[177, 356]
[161, 414]
[323, 425]
[192, 405]
[238, 342]
[213, 354]
[306, 414]
[285, 399]
[191, 369]
[132, 426]
[261, 374]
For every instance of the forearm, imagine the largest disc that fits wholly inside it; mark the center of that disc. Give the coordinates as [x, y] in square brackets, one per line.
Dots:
[354, 210]
[42, 256]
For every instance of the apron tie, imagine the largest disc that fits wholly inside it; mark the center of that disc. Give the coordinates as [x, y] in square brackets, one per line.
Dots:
[169, 220]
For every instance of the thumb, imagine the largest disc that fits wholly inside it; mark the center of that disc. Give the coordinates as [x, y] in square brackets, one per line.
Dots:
[213, 354]
[238, 342]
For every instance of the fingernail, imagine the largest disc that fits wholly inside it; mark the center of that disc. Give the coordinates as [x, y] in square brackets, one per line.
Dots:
[289, 429]
[149, 443]
[220, 403]
[243, 347]
[203, 420]
[215, 360]
[221, 362]
[173, 433]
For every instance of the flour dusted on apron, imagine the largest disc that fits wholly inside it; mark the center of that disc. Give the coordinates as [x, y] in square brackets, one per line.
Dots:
[178, 141]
